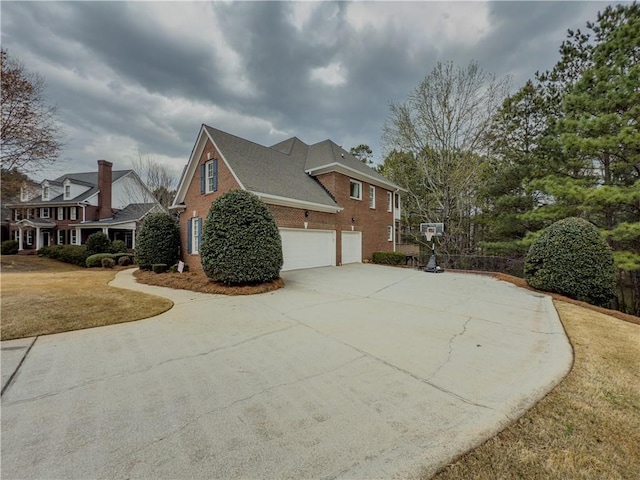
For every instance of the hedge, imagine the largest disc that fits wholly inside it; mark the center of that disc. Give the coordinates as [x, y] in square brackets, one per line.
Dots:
[74, 254]
[96, 260]
[159, 267]
[9, 247]
[389, 258]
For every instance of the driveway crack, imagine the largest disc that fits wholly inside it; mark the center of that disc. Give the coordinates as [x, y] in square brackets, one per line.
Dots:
[451, 340]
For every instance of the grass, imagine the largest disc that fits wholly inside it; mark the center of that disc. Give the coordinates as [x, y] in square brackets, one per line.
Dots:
[588, 427]
[42, 296]
[197, 281]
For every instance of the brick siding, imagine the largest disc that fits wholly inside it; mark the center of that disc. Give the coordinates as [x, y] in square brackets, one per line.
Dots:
[372, 223]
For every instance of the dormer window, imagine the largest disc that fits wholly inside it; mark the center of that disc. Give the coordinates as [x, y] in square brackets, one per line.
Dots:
[24, 196]
[67, 190]
[45, 192]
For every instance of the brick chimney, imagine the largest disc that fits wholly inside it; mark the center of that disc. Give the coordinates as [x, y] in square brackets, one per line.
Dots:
[104, 185]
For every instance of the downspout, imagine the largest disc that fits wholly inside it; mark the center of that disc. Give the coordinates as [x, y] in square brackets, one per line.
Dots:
[393, 216]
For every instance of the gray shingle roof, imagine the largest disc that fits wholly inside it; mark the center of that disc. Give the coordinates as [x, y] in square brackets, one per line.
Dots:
[327, 152]
[281, 169]
[88, 179]
[270, 170]
[132, 212]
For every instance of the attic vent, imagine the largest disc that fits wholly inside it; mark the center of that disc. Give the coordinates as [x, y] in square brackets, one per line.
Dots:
[208, 155]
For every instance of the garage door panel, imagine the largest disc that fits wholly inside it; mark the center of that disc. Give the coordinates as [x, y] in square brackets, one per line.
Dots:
[307, 248]
[351, 247]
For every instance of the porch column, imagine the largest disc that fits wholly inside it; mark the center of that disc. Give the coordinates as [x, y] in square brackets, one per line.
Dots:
[78, 237]
[38, 238]
[133, 238]
[20, 246]
[105, 230]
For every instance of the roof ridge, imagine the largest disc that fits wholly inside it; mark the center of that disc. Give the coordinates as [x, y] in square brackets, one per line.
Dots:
[236, 136]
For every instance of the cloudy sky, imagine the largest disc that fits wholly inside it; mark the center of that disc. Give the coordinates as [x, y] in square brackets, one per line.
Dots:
[139, 77]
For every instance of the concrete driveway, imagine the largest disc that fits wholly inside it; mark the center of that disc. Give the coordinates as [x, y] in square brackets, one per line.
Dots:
[360, 371]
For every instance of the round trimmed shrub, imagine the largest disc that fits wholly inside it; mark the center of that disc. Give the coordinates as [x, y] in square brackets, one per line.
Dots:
[95, 260]
[98, 243]
[158, 241]
[124, 261]
[240, 241]
[118, 246]
[108, 262]
[572, 258]
[9, 247]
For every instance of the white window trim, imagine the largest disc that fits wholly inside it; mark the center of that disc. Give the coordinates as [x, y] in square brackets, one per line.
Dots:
[45, 192]
[195, 235]
[67, 191]
[42, 212]
[389, 233]
[60, 215]
[23, 194]
[29, 237]
[74, 237]
[208, 171]
[372, 197]
[389, 202]
[359, 189]
[17, 215]
[60, 237]
[73, 213]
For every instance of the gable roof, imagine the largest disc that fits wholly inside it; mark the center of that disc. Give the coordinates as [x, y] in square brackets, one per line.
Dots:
[269, 171]
[86, 179]
[326, 156]
[132, 212]
[285, 171]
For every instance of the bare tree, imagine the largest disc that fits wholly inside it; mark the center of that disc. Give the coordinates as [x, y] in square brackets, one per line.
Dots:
[30, 136]
[443, 126]
[157, 177]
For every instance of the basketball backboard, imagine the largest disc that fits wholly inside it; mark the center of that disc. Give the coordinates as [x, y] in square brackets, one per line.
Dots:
[436, 228]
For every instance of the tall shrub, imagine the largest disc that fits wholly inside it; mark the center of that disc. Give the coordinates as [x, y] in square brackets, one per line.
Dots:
[240, 240]
[572, 258]
[158, 241]
[98, 243]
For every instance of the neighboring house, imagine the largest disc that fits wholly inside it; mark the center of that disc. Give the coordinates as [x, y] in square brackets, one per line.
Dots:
[330, 207]
[70, 208]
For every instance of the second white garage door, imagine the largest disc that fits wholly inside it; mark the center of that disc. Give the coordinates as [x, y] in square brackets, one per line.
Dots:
[307, 248]
[351, 247]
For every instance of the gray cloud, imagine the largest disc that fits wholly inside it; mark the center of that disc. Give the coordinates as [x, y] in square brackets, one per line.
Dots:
[143, 76]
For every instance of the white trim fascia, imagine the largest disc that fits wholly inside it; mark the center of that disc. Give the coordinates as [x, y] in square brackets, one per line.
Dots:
[194, 158]
[294, 203]
[198, 147]
[226, 163]
[353, 173]
[95, 224]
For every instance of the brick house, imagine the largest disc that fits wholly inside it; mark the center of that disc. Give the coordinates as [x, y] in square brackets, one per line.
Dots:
[70, 208]
[330, 207]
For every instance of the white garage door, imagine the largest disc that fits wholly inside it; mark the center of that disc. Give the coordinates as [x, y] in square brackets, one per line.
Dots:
[307, 248]
[351, 247]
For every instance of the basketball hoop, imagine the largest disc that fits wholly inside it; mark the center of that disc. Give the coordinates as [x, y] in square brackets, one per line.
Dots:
[430, 233]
